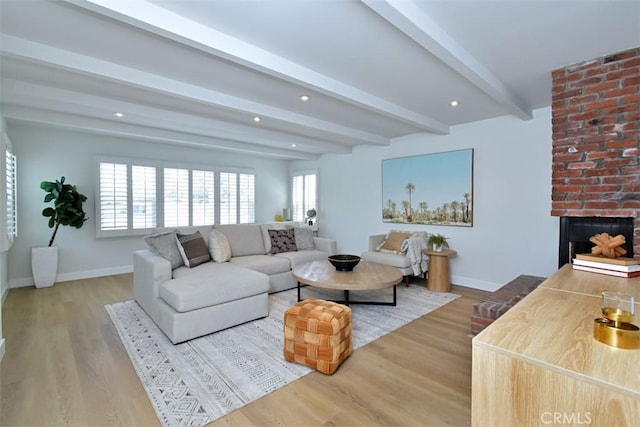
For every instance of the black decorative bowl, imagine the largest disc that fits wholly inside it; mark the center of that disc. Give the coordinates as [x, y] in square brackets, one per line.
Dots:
[344, 262]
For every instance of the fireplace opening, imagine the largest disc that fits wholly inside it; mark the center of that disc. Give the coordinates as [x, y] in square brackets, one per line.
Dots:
[576, 231]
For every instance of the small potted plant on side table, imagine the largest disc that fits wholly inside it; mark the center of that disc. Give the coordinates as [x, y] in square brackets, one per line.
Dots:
[436, 242]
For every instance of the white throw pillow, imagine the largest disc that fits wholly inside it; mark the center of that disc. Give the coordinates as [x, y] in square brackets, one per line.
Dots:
[219, 246]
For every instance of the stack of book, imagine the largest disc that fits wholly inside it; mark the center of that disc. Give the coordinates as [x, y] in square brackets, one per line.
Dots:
[620, 267]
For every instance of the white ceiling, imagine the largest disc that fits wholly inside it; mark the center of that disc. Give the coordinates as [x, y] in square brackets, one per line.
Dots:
[196, 72]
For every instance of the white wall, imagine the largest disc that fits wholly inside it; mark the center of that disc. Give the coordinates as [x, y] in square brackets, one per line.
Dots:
[48, 154]
[513, 232]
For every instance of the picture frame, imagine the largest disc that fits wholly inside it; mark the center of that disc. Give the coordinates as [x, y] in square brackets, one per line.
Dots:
[433, 189]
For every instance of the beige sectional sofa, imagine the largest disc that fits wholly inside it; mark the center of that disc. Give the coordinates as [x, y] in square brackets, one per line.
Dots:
[232, 288]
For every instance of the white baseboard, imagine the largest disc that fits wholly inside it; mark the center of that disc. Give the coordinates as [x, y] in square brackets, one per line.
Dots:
[469, 282]
[1, 348]
[4, 295]
[77, 275]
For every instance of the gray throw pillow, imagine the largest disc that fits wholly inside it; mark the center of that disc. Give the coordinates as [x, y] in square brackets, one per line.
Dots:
[193, 249]
[304, 238]
[164, 244]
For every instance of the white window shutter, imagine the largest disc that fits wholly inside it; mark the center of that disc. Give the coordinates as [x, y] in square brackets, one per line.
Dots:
[113, 196]
[247, 190]
[143, 194]
[176, 197]
[203, 197]
[228, 198]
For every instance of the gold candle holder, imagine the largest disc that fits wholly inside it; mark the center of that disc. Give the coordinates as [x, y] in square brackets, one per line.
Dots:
[616, 329]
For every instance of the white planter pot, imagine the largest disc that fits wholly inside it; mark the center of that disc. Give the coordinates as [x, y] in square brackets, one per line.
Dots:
[44, 266]
[437, 248]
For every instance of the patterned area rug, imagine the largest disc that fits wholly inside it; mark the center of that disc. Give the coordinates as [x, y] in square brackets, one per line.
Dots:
[194, 383]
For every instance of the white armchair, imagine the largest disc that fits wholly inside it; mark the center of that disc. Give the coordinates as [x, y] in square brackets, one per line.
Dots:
[399, 260]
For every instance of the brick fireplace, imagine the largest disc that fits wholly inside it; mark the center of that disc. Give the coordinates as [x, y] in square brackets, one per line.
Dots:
[596, 141]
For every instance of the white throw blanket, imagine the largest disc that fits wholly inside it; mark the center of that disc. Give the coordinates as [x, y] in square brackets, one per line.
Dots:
[413, 247]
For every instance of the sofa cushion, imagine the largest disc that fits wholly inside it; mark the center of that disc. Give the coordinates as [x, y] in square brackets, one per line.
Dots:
[304, 238]
[266, 264]
[165, 245]
[211, 284]
[394, 260]
[282, 241]
[244, 239]
[219, 246]
[299, 257]
[393, 242]
[193, 249]
[264, 229]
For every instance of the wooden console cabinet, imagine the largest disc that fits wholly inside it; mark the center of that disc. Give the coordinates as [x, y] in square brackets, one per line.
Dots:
[539, 365]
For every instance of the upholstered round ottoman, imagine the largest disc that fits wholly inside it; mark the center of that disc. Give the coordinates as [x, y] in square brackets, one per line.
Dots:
[317, 334]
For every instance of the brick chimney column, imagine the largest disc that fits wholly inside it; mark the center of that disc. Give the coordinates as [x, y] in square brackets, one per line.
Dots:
[596, 139]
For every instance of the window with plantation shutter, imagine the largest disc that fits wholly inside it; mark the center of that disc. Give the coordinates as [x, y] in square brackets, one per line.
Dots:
[303, 195]
[126, 203]
[297, 198]
[176, 197]
[137, 196]
[8, 201]
[203, 197]
[11, 191]
[143, 194]
[228, 198]
[113, 198]
[247, 203]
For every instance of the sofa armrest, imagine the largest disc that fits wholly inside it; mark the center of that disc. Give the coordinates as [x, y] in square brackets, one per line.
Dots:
[149, 272]
[375, 240]
[326, 245]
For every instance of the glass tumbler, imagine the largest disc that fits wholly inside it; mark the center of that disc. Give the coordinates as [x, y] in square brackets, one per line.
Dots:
[617, 307]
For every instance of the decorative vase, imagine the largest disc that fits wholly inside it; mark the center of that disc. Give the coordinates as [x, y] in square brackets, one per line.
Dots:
[44, 266]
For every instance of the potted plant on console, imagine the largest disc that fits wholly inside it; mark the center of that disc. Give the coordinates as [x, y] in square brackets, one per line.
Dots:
[66, 210]
[437, 241]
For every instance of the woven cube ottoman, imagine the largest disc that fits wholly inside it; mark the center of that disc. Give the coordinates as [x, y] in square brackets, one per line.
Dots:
[317, 334]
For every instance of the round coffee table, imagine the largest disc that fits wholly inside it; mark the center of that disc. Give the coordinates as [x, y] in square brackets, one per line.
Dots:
[365, 276]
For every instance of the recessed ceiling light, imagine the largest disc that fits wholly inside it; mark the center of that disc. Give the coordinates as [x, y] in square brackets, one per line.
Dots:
[256, 119]
[118, 114]
[305, 98]
[454, 103]
[294, 145]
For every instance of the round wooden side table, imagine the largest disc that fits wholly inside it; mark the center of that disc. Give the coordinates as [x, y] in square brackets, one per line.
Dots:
[438, 279]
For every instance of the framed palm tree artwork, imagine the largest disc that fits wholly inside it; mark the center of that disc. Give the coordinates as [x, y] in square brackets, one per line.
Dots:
[429, 189]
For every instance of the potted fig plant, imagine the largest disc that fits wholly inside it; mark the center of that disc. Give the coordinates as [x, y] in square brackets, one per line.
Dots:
[436, 241]
[66, 210]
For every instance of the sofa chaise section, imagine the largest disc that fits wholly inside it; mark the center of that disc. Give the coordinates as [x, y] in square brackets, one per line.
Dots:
[186, 306]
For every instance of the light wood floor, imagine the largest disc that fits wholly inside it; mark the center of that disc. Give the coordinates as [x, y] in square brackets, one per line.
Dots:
[65, 365]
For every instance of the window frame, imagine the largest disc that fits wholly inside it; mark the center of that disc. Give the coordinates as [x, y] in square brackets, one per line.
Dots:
[9, 199]
[305, 204]
[160, 167]
[129, 231]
